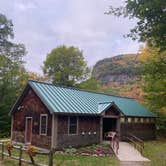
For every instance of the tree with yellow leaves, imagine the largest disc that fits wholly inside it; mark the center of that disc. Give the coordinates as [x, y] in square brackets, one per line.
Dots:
[154, 79]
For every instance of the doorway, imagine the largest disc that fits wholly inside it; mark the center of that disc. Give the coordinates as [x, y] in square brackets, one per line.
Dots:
[28, 129]
[109, 124]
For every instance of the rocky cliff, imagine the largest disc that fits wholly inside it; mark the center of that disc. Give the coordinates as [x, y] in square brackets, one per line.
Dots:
[119, 69]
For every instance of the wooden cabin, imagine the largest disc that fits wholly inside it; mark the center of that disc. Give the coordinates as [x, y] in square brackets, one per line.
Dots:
[52, 116]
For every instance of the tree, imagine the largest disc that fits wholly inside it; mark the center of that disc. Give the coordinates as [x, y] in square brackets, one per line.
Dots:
[35, 76]
[12, 72]
[154, 79]
[151, 16]
[6, 32]
[90, 84]
[65, 65]
[154, 76]
[150, 28]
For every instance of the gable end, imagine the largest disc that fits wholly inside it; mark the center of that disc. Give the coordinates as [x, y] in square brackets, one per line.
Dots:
[17, 106]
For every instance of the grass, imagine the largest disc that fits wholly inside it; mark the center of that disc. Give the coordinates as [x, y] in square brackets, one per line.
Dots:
[156, 152]
[66, 159]
[69, 160]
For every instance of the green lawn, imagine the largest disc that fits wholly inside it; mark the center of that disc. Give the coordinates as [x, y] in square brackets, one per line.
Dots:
[66, 159]
[70, 160]
[156, 152]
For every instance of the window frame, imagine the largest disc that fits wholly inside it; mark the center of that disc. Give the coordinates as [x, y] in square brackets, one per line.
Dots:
[69, 125]
[122, 119]
[44, 115]
[129, 120]
[132, 120]
[142, 120]
[136, 120]
[147, 120]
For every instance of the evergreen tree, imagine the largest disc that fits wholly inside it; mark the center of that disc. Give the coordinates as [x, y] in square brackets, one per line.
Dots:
[12, 72]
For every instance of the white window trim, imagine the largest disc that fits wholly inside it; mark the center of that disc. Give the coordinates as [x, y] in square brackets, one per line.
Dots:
[41, 115]
[69, 126]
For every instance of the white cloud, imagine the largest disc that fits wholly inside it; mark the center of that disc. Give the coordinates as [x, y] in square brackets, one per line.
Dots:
[24, 6]
[43, 25]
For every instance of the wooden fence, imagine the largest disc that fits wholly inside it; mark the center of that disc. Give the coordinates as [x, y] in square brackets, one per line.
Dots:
[20, 158]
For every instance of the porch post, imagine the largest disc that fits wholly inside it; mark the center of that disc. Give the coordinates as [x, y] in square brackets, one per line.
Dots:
[101, 129]
[54, 131]
[118, 126]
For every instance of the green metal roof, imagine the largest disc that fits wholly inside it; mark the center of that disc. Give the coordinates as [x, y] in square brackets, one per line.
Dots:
[103, 106]
[61, 99]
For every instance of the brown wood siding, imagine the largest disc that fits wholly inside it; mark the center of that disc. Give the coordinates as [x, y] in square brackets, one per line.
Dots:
[89, 125]
[32, 107]
[145, 131]
[112, 111]
[62, 124]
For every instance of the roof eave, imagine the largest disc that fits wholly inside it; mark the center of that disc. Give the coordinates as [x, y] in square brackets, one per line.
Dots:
[76, 114]
[112, 104]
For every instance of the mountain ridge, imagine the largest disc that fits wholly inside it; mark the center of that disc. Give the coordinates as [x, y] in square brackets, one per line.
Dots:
[121, 69]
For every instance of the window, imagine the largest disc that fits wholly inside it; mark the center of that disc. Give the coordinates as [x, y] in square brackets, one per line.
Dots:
[152, 120]
[73, 125]
[122, 120]
[43, 124]
[147, 120]
[136, 120]
[129, 120]
[139, 120]
[132, 120]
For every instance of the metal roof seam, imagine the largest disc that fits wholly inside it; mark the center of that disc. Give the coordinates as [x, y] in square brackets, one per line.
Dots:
[41, 97]
[73, 102]
[55, 104]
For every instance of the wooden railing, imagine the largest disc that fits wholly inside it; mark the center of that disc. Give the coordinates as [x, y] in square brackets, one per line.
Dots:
[6, 152]
[115, 144]
[137, 142]
[114, 140]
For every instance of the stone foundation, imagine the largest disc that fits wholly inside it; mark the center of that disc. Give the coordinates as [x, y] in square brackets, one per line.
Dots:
[77, 140]
[41, 141]
[18, 136]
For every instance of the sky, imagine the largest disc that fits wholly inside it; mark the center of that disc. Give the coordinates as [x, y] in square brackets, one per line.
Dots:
[42, 25]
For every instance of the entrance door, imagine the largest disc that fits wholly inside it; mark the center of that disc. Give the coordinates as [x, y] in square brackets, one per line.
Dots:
[28, 129]
[109, 124]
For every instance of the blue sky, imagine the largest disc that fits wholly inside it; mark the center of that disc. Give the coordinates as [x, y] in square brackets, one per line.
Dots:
[45, 24]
